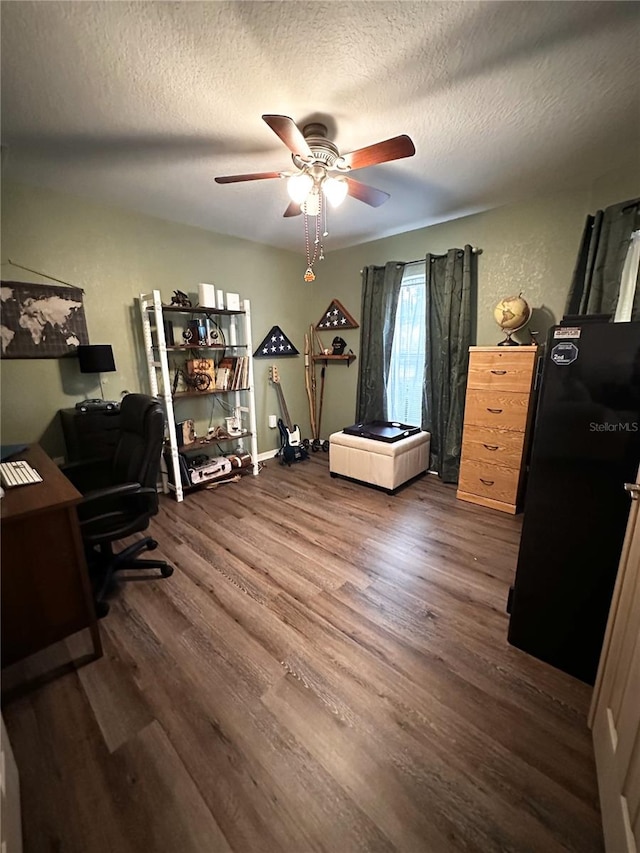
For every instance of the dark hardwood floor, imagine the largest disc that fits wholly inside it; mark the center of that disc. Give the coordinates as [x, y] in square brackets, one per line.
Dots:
[327, 670]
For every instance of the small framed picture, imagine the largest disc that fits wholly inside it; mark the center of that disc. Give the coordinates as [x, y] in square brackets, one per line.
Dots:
[233, 301]
[186, 432]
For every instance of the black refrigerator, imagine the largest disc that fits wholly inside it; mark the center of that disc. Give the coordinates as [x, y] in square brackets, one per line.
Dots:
[586, 446]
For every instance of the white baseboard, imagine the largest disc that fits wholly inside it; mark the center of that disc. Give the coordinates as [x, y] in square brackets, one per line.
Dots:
[268, 454]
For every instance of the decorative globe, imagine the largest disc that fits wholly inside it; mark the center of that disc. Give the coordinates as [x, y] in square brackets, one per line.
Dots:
[511, 314]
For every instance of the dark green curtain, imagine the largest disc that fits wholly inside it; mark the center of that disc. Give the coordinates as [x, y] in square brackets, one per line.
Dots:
[596, 278]
[380, 290]
[450, 291]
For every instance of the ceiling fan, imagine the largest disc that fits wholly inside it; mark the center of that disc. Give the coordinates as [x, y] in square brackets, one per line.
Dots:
[320, 169]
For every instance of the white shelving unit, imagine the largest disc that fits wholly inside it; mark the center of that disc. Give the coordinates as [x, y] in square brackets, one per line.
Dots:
[237, 329]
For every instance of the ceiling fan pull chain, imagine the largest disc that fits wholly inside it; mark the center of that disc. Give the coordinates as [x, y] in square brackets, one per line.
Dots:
[309, 274]
[324, 232]
[322, 213]
[318, 245]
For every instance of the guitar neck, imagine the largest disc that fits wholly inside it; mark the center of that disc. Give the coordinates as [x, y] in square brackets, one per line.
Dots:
[283, 408]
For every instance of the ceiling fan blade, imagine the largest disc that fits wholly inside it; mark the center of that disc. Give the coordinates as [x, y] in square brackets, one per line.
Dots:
[369, 195]
[293, 209]
[289, 133]
[254, 176]
[381, 152]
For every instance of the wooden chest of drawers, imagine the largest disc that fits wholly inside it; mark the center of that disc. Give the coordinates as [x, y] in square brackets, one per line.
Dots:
[497, 416]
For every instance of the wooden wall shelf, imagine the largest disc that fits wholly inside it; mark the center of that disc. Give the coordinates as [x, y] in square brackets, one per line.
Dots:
[198, 309]
[335, 358]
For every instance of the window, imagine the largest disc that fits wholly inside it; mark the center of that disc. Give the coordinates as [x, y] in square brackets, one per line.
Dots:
[406, 371]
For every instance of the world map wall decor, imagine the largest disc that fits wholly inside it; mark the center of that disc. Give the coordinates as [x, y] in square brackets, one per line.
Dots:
[41, 320]
[336, 317]
[275, 345]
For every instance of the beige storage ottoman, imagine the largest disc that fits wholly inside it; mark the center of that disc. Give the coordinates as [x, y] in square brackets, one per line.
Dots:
[379, 463]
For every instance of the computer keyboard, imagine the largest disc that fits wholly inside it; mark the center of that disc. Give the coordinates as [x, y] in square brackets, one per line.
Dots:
[18, 474]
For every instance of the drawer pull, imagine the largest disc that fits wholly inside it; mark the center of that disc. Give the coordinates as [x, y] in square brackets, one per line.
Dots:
[499, 372]
[492, 446]
[494, 411]
[487, 482]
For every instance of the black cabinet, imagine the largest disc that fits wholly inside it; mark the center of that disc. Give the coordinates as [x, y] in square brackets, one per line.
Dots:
[90, 435]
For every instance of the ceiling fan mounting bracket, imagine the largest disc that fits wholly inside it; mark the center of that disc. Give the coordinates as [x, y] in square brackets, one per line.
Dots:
[315, 129]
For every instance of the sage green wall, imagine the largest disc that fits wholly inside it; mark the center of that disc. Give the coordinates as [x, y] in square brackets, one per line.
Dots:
[115, 255]
[529, 247]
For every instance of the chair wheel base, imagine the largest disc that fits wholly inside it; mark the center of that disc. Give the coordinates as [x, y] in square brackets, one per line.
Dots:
[166, 571]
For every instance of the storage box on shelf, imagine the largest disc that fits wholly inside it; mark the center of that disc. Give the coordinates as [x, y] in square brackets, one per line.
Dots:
[217, 332]
[497, 421]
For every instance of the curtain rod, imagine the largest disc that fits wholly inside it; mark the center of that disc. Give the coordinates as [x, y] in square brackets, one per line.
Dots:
[474, 251]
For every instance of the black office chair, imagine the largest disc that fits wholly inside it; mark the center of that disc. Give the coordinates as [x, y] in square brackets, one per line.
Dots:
[120, 496]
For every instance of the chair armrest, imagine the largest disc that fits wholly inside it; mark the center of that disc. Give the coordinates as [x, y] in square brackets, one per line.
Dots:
[116, 499]
[116, 512]
[123, 490]
[79, 464]
[115, 508]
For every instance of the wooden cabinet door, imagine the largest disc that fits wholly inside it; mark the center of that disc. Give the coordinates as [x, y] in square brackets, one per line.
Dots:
[615, 710]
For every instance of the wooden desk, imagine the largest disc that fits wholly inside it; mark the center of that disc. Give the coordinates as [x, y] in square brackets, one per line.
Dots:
[46, 592]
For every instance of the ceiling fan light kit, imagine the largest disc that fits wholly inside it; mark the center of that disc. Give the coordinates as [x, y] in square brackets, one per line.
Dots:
[321, 172]
[311, 204]
[335, 190]
[299, 186]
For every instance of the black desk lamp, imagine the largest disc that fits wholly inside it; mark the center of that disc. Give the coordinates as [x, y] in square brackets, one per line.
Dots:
[96, 358]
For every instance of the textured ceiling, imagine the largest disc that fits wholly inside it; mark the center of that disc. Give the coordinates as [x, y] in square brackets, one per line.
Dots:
[142, 104]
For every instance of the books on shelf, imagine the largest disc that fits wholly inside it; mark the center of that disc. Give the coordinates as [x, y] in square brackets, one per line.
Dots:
[223, 372]
[232, 373]
[241, 378]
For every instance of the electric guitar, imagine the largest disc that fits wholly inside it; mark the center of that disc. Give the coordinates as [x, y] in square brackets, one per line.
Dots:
[291, 449]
